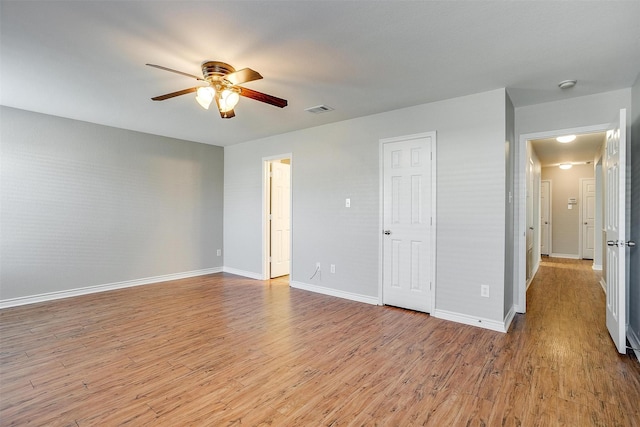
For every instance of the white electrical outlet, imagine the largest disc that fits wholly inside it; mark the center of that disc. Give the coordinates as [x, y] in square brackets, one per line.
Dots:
[317, 266]
[347, 203]
[484, 291]
[219, 252]
[333, 268]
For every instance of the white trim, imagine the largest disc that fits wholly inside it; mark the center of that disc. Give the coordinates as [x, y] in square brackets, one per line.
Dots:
[570, 256]
[596, 267]
[550, 217]
[634, 340]
[433, 135]
[335, 293]
[481, 322]
[243, 273]
[603, 285]
[581, 236]
[521, 195]
[266, 196]
[50, 296]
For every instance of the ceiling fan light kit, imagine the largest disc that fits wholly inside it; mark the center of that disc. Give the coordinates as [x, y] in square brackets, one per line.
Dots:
[222, 86]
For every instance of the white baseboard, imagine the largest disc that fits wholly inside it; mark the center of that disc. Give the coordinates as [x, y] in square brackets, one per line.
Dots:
[50, 296]
[493, 325]
[570, 256]
[634, 340]
[596, 267]
[243, 273]
[335, 292]
[603, 285]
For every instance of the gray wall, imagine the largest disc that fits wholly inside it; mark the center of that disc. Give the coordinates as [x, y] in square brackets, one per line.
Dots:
[85, 205]
[634, 279]
[565, 223]
[336, 161]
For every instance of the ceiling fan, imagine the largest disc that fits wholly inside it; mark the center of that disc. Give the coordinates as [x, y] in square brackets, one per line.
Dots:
[222, 86]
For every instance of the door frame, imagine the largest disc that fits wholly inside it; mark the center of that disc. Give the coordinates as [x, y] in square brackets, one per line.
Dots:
[266, 198]
[519, 270]
[432, 263]
[581, 236]
[549, 216]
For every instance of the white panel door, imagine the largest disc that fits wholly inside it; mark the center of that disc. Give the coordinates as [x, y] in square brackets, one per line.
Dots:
[280, 218]
[545, 217]
[588, 214]
[407, 211]
[615, 158]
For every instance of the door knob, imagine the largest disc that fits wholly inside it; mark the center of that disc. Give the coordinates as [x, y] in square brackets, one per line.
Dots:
[612, 243]
[387, 232]
[585, 223]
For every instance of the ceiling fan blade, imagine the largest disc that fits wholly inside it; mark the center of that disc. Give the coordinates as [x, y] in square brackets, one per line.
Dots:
[242, 76]
[174, 94]
[263, 97]
[160, 67]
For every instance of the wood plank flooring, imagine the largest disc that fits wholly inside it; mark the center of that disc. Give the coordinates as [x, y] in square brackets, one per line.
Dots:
[221, 350]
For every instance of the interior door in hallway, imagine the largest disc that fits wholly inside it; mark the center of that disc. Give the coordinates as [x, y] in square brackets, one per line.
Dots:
[408, 211]
[615, 222]
[588, 214]
[545, 217]
[280, 218]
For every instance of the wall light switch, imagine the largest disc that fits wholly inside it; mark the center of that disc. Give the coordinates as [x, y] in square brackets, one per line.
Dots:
[347, 203]
[219, 252]
[484, 291]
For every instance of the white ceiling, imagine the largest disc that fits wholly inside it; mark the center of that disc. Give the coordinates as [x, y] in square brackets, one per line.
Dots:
[85, 59]
[583, 149]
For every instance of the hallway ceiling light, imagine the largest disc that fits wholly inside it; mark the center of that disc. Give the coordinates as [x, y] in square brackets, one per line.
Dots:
[565, 166]
[566, 138]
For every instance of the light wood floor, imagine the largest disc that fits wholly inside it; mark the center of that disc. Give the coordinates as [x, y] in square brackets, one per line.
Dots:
[223, 350]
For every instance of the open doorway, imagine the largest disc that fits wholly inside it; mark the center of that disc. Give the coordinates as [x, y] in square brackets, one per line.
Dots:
[539, 158]
[277, 217]
[566, 205]
[615, 219]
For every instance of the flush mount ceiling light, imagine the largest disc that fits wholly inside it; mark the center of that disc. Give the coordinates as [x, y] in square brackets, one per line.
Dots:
[566, 138]
[567, 84]
[565, 166]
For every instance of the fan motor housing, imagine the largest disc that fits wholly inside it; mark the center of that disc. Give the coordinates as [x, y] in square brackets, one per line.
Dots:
[215, 71]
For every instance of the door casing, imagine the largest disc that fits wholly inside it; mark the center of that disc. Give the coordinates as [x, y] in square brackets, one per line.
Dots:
[266, 199]
[519, 270]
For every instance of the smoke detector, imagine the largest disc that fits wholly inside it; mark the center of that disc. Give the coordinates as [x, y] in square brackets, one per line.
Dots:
[567, 84]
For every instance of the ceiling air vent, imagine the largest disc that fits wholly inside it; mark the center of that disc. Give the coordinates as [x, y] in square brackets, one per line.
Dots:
[319, 109]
